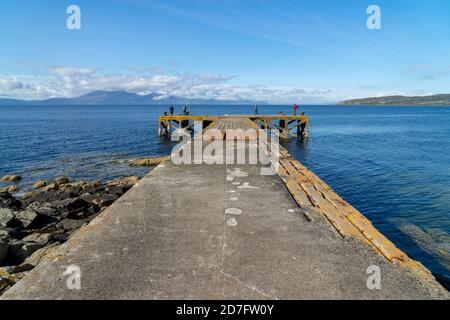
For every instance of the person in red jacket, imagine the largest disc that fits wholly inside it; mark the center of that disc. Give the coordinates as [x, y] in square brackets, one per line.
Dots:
[295, 109]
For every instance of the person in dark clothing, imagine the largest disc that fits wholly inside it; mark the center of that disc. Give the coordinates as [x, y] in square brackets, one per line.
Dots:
[282, 121]
[255, 109]
[185, 112]
[171, 110]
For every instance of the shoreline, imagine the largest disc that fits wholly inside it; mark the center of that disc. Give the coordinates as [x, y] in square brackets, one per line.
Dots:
[126, 221]
[39, 221]
[63, 207]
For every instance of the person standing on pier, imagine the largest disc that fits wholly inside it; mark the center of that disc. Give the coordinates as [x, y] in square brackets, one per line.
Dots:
[295, 109]
[185, 110]
[255, 109]
[171, 110]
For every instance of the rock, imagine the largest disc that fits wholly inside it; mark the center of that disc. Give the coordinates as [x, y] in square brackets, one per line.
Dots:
[59, 181]
[11, 178]
[8, 201]
[128, 181]
[4, 195]
[19, 251]
[105, 200]
[61, 237]
[11, 203]
[8, 278]
[9, 189]
[45, 196]
[68, 225]
[77, 204]
[43, 238]
[60, 209]
[39, 254]
[4, 249]
[6, 217]
[40, 184]
[5, 284]
[7, 233]
[11, 270]
[48, 209]
[50, 187]
[25, 218]
[117, 190]
[147, 162]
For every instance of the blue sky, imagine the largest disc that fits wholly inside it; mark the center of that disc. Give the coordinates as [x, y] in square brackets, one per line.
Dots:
[277, 51]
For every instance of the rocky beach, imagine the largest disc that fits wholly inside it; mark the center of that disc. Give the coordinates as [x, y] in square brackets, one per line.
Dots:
[36, 222]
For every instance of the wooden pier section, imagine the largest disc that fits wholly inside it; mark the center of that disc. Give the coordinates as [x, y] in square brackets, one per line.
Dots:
[224, 231]
[289, 126]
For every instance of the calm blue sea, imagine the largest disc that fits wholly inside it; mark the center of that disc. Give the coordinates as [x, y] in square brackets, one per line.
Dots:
[392, 163]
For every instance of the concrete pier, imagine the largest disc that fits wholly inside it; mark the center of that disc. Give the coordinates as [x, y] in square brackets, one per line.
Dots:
[224, 232]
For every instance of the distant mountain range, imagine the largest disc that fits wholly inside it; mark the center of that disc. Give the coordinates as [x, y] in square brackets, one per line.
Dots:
[118, 98]
[434, 100]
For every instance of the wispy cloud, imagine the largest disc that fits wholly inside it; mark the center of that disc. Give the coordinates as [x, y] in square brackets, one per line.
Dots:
[426, 71]
[292, 24]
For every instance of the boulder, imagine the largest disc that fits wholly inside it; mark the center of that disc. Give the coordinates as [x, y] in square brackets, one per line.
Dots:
[105, 200]
[45, 196]
[70, 225]
[40, 184]
[48, 209]
[59, 181]
[10, 202]
[50, 187]
[25, 218]
[7, 280]
[9, 189]
[147, 162]
[13, 270]
[92, 187]
[6, 234]
[4, 249]
[128, 181]
[74, 207]
[19, 251]
[6, 217]
[60, 209]
[39, 254]
[43, 238]
[117, 190]
[11, 178]
[4, 195]
[5, 284]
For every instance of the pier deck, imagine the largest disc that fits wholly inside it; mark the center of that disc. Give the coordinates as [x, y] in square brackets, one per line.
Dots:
[228, 232]
[287, 125]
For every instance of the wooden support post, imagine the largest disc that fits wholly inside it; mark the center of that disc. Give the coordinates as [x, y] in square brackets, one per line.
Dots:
[306, 133]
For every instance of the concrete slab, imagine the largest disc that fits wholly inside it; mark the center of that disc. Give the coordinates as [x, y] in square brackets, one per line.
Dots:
[188, 232]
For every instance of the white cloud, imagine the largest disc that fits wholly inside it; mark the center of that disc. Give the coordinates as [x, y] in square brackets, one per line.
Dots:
[62, 81]
[70, 71]
[8, 83]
